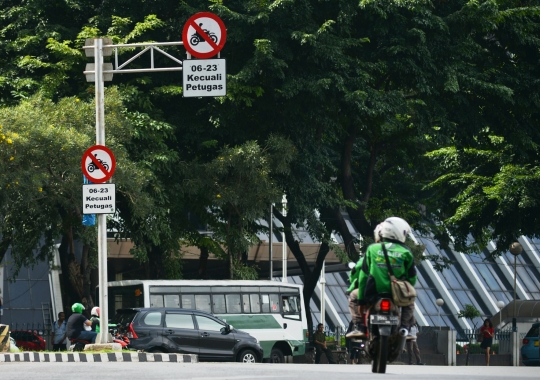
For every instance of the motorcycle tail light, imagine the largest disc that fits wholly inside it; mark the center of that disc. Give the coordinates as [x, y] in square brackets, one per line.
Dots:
[131, 333]
[385, 305]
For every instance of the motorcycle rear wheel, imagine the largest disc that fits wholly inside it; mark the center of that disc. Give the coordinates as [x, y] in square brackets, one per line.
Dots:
[378, 365]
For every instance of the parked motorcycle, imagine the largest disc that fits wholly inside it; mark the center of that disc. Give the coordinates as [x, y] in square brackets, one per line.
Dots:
[119, 337]
[386, 339]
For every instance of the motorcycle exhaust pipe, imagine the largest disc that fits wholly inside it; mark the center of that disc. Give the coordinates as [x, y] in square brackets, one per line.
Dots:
[403, 332]
[402, 339]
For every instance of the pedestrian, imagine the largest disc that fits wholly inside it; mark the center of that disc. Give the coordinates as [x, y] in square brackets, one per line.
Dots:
[59, 333]
[412, 345]
[320, 346]
[353, 347]
[487, 332]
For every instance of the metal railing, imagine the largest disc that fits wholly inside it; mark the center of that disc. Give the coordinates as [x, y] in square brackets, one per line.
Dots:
[31, 336]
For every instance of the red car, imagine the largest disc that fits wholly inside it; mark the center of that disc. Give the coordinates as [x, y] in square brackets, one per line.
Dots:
[28, 340]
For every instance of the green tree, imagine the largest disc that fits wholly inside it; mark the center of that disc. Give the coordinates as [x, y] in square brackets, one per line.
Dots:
[40, 177]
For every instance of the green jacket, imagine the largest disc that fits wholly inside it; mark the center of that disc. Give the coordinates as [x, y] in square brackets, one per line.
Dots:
[374, 278]
[354, 275]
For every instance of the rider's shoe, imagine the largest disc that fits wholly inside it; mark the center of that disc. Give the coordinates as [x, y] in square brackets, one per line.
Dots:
[358, 332]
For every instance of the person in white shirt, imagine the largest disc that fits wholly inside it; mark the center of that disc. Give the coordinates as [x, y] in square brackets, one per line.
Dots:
[412, 346]
[59, 333]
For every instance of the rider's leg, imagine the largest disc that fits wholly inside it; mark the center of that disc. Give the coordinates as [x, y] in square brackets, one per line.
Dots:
[407, 316]
[353, 305]
[356, 316]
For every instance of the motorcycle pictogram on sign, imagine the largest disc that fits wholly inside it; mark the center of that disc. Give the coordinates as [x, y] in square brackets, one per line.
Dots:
[98, 163]
[204, 35]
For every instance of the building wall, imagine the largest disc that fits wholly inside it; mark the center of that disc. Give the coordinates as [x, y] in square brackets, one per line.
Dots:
[26, 294]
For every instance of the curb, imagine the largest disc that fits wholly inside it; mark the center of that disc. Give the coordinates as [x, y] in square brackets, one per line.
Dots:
[77, 357]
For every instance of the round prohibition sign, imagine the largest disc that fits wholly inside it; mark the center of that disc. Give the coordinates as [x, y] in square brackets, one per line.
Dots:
[204, 35]
[98, 163]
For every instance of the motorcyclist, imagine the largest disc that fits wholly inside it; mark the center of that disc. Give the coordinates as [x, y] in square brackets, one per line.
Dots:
[76, 323]
[373, 278]
[354, 308]
[94, 318]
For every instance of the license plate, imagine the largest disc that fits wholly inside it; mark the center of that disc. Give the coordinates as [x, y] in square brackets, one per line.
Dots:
[536, 344]
[384, 319]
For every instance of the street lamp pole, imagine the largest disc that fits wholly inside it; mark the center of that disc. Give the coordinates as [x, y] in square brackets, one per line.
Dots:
[284, 247]
[515, 249]
[439, 303]
[500, 305]
[270, 242]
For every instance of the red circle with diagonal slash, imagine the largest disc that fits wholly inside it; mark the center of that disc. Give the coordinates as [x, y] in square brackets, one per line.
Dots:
[207, 40]
[98, 169]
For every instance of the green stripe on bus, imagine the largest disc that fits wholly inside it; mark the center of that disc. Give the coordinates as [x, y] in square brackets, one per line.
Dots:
[247, 322]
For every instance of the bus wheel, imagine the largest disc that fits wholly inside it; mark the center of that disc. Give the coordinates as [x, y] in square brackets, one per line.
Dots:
[276, 356]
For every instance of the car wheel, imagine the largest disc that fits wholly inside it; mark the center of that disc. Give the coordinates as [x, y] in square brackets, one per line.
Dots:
[247, 356]
[276, 356]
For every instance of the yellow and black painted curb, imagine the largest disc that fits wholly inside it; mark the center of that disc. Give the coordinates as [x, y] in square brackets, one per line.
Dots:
[80, 357]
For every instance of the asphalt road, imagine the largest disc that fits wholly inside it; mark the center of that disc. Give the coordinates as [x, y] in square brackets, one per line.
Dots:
[238, 371]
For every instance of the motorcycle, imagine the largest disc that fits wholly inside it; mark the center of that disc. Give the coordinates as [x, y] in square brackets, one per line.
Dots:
[119, 337]
[386, 340]
[358, 351]
[92, 166]
[196, 37]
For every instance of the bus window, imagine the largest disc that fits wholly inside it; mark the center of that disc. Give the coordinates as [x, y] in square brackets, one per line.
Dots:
[188, 301]
[291, 306]
[171, 300]
[245, 302]
[255, 303]
[274, 303]
[265, 303]
[202, 302]
[156, 300]
[233, 304]
[219, 303]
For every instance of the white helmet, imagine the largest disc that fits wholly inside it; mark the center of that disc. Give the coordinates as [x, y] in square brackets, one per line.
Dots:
[395, 228]
[95, 311]
[377, 232]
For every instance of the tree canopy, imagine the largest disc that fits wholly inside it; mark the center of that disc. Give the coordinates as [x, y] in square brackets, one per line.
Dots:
[362, 109]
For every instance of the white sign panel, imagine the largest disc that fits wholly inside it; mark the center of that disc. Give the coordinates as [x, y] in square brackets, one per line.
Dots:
[204, 77]
[99, 198]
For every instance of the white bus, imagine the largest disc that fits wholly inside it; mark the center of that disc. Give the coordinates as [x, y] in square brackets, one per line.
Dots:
[270, 311]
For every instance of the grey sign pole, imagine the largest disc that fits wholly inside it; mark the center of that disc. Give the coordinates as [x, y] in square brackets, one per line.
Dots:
[101, 218]
[99, 72]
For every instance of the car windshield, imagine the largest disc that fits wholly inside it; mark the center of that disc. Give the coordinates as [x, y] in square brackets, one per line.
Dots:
[533, 332]
[123, 317]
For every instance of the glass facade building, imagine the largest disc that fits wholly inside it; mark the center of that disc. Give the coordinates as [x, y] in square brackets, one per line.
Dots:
[471, 279]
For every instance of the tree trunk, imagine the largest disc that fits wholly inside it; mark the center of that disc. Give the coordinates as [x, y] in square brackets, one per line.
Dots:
[86, 271]
[4, 246]
[155, 263]
[347, 183]
[311, 277]
[72, 279]
[338, 222]
[203, 261]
